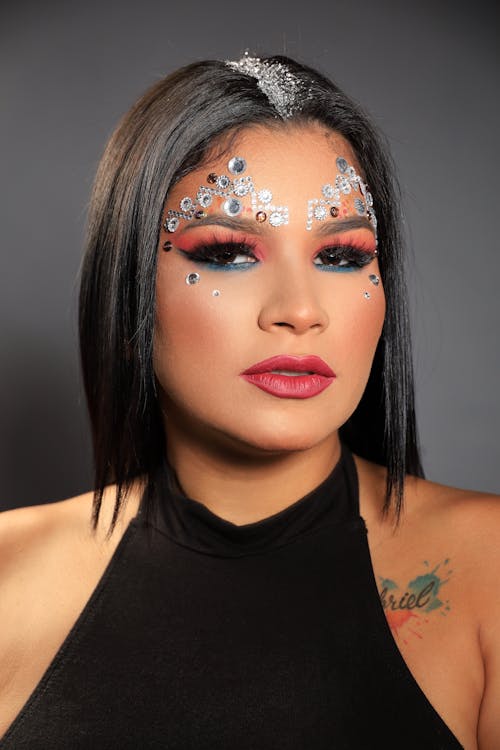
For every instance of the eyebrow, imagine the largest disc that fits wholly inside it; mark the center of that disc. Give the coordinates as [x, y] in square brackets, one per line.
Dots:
[251, 226]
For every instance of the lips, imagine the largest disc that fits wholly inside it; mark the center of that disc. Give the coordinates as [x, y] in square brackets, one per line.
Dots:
[288, 376]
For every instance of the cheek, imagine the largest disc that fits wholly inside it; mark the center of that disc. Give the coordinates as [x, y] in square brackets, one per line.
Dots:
[359, 325]
[197, 327]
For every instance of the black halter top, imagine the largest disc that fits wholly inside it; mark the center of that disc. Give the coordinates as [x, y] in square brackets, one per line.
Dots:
[210, 636]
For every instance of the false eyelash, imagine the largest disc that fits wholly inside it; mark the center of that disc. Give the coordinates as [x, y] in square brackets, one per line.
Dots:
[352, 258]
[211, 254]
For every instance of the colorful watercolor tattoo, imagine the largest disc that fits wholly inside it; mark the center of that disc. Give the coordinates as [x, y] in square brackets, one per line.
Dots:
[407, 609]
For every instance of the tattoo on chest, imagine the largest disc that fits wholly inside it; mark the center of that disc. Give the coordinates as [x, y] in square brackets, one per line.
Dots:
[409, 607]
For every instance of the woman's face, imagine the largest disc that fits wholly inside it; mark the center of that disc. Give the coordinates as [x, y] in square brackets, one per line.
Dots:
[288, 269]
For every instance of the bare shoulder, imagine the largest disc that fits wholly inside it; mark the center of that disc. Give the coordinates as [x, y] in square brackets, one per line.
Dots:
[51, 560]
[31, 534]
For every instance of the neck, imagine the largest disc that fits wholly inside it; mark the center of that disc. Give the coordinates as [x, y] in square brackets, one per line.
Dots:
[243, 487]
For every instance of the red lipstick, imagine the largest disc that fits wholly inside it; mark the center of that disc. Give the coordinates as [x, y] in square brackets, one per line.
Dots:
[290, 376]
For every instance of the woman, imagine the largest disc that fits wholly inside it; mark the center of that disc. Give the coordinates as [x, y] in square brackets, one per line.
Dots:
[246, 358]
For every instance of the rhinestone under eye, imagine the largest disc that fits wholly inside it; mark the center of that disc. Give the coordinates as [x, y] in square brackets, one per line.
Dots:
[192, 278]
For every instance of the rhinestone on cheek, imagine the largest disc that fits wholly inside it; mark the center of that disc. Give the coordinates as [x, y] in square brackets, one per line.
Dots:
[215, 293]
[237, 165]
[261, 216]
[374, 279]
[192, 278]
[367, 295]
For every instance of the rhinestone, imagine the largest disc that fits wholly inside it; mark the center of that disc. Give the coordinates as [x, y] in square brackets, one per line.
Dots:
[186, 204]
[200, 214]
[167, 246]
[237, 165]
[367, 295]
[265, 196]
[341, 164]
[320, 213]
[172, 224]
[334, 211]
[241, 189]
[204, 198]
[359, 206]
[374, 279]
[261, 216]
[328, 191]
[192, 278]
[369, 199]
[212, 178]
[343, 185]
[232, 207]
[276, 219]
[223, 181]
[215, 293]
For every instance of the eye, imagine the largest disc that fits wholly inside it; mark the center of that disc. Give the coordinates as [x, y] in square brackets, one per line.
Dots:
[342, 258]
[223, 255]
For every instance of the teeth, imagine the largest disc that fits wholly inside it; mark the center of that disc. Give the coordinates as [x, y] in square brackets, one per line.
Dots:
[290, 372]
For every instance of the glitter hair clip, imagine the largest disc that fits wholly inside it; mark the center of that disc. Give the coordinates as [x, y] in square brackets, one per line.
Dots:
[347, 180]
[232, 190]
[283, 89]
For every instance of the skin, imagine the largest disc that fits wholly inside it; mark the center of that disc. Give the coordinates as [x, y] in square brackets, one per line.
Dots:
[226, 437]
[231, 443]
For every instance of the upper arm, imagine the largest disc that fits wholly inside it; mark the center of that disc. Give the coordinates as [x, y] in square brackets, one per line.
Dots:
[488, 601]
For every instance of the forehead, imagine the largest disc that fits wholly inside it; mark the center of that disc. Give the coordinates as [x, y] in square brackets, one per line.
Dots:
[289, 159]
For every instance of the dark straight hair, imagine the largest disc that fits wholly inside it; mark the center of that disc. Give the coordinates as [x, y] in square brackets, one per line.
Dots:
[165, 135]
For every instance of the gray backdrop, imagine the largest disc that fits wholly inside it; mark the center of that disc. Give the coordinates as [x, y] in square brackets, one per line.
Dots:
[427, 72]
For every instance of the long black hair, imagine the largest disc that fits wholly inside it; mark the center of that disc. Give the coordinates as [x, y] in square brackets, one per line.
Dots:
[166, 134]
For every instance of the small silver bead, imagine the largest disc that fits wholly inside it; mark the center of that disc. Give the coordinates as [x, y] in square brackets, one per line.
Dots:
[215, 293]
[192, 278]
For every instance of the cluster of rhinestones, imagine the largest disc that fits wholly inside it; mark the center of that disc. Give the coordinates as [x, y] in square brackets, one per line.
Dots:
[284, 90]
[232, 190]
[346, 181]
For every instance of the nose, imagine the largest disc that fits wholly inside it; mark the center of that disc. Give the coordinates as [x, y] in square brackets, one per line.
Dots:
[293, 303]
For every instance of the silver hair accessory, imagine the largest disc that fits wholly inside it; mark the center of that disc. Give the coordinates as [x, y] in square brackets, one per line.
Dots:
[346, 181]
[192, 278]
[233, 191]
[284, 90]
